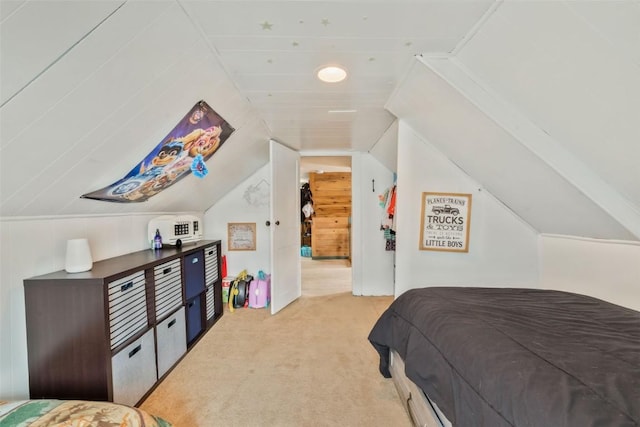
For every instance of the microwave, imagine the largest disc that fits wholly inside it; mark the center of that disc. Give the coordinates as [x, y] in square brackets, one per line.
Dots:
[175, 230]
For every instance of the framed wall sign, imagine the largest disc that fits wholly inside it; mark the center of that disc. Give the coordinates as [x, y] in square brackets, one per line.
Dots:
[445, 222]
[241, 236]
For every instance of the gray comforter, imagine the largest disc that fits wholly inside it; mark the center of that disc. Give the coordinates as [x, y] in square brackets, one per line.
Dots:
[517, 357]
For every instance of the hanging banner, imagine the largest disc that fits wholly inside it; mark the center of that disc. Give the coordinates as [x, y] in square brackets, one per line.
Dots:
[445, 222]
[183, 151]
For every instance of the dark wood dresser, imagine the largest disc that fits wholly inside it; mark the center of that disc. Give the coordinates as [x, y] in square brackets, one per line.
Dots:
[112, 333]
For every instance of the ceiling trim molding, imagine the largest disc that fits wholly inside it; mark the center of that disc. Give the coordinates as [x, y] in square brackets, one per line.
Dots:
[589, 239]
[91, 216]
[537, 141]
[326, 153]
[478, 25]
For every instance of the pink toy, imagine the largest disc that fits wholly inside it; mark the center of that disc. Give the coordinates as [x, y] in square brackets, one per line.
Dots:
[260, 291]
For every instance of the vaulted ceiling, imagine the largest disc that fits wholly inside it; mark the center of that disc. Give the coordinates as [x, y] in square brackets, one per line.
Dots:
[546, 92]
[272, 50]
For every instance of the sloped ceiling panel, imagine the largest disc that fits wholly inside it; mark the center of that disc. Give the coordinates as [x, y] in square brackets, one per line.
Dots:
[9, 7]
[497, 161]
[106, 103]
[44, 35]
[386, 148]
[573, 68]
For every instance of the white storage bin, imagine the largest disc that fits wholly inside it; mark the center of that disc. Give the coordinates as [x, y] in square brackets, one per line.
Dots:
[134, 370]
[210, 300]
[211, 264]
[168, 287]
[172, 341]
[127, 308]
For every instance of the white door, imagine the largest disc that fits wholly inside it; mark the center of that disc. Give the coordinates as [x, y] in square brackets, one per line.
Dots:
[285, 226]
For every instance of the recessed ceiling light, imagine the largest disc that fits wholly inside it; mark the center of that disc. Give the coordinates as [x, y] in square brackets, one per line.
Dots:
[332, 74]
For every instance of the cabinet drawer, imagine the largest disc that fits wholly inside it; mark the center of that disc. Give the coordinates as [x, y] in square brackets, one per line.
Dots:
[127, 307]
[134, 370]
[167, 271]
[194, 274]
[172, 341]
[210, 297]
[194, 319]
[211, 264]
[168, 287]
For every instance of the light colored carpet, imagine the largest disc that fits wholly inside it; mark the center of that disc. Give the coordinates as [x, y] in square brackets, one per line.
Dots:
[309, 365]
[325, 276]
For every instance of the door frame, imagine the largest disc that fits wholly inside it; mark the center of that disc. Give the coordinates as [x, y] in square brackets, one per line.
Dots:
[356, 212]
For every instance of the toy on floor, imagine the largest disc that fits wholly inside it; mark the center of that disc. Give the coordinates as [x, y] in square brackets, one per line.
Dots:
[260, 291]
[239, 291]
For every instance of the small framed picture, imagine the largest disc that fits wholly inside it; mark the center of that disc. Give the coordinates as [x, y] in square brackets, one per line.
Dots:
[241, 236]
[445, 221]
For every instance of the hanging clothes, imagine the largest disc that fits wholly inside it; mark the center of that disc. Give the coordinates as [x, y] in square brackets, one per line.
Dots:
[388, 203]
[306, 198]
[307, 210]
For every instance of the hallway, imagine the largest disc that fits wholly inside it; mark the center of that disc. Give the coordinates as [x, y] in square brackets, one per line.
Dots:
[325, 277]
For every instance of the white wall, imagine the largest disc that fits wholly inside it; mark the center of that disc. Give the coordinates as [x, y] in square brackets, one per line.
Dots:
[609, 270]
[34, 246]
[502, 248]
[248, 202]
[372, 266]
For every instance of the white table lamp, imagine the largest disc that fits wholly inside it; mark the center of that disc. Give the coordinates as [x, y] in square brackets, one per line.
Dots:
[78, 257]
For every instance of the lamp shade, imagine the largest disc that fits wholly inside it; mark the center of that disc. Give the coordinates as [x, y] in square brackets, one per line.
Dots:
[78, 258]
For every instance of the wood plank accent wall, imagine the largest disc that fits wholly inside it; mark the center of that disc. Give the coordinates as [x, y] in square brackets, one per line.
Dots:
[330, 232]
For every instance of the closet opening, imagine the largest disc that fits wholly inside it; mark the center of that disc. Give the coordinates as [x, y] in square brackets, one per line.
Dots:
[325, 225]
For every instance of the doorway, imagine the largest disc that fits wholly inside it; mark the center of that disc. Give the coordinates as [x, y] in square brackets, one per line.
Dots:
[326, 261]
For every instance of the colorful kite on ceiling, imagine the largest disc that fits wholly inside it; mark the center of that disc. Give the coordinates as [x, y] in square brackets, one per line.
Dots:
[184, 150]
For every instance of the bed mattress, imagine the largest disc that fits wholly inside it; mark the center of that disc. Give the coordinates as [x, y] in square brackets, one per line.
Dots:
[517, 357]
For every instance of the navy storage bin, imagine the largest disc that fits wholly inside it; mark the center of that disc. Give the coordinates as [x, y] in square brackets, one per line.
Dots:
[194, 319]
[194, 274]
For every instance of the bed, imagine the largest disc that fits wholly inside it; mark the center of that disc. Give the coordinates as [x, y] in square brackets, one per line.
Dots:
[498, 357]
[74, 413]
